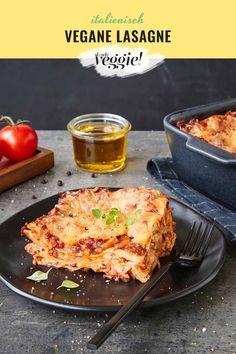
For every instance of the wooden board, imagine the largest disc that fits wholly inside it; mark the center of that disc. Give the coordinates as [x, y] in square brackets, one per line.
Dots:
[13, 173]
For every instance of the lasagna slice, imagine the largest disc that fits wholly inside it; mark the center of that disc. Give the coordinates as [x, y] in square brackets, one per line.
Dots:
[120, 233]
[218, 130]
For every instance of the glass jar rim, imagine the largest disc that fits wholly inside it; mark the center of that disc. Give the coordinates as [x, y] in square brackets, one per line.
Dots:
[96, 117]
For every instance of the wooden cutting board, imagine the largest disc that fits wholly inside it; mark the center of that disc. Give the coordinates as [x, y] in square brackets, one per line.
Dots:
[13, 173]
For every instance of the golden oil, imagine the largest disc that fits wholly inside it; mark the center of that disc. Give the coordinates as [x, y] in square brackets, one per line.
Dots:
[100, 144]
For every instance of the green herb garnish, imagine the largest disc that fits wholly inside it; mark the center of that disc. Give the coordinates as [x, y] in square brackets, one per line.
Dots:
[97, 213]
[130, 221]
[138, 212]
[39, 275]
[114, 212]
[109, 220]
[69, 284]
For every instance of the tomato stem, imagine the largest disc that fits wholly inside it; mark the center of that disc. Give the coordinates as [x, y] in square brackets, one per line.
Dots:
[10, 121]
[19, 121]
[6, 119]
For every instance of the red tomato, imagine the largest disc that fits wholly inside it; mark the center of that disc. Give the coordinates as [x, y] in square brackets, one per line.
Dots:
[0, 153]
[18, 142]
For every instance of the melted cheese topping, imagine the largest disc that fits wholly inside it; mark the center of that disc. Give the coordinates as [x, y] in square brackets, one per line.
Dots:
[71, 236]
[218, 130]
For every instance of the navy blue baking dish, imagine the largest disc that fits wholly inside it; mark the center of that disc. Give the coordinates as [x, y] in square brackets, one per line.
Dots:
[206, 168]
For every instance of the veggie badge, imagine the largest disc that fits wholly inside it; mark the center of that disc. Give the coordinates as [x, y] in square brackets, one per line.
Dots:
[18, 141]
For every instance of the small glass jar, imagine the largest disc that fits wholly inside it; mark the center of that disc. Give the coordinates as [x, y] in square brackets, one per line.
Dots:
[99, 141]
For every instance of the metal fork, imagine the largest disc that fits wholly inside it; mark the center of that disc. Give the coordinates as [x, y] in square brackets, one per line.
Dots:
[192, 254]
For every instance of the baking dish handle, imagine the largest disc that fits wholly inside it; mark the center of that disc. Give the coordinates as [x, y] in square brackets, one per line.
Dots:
[210, 151]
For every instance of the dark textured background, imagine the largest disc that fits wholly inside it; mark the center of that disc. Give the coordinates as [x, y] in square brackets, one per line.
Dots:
[51, 92]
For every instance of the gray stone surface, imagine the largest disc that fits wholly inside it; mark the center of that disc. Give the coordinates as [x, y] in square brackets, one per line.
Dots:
[203, 322]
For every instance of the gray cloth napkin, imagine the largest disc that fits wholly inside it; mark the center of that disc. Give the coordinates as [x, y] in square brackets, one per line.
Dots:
[162, 169]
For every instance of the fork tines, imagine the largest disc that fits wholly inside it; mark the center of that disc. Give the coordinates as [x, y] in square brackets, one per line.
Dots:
[198, 240]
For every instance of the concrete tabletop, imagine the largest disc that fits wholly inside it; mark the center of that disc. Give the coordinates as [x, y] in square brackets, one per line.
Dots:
[203, 322]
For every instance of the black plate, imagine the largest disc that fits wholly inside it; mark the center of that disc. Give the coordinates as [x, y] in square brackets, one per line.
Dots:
[96, 293]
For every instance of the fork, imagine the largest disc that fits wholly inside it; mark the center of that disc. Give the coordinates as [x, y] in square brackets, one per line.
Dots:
[191, 255]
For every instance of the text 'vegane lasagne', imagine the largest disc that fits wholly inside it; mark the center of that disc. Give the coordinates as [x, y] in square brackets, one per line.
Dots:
[218, 130]
[120, 233]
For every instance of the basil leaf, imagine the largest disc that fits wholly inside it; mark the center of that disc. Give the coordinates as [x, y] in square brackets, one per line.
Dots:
[97, 213]
[130, 221]
[69, 284]
[39, 275]
[109, 221]
[103, 214]
[114, 212]
[138, 212]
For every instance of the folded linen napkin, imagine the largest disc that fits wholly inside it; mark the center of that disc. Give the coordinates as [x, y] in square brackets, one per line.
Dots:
[162, 170]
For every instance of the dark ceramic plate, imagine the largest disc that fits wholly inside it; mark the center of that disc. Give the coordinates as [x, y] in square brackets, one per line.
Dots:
[96, 293]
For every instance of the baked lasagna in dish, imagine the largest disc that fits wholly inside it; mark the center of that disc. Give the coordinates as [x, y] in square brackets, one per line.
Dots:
[218, 130]
[121, 233]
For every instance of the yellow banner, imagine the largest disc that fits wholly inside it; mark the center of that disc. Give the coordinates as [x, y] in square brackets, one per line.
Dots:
[65, 29]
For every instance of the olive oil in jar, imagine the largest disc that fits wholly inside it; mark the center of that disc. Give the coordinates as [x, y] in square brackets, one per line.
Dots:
[100, 145]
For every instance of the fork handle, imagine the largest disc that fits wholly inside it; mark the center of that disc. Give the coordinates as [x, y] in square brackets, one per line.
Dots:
[125, 310]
